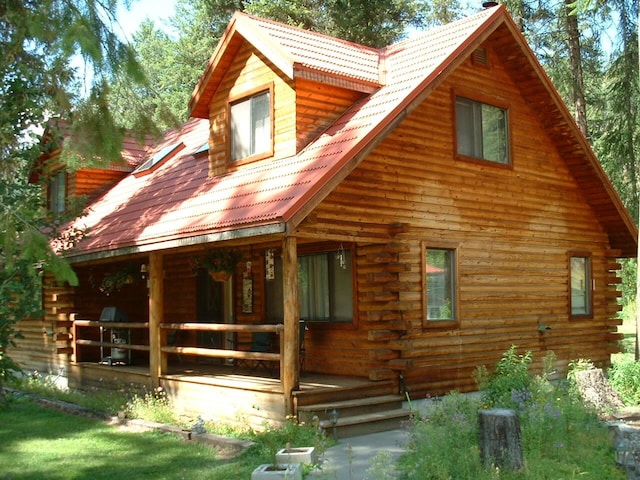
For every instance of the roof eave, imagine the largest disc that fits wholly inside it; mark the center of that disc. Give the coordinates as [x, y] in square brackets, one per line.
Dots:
[263, 230]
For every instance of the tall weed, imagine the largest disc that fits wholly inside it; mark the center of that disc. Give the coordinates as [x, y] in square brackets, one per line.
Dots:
[561, 438]
[624, 376]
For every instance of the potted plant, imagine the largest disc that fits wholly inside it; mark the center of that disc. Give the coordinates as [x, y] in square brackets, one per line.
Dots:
[289, 454]
[219, 262]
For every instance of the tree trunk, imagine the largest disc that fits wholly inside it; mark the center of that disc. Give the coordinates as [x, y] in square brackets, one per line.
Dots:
[575, 57]
[499, 438]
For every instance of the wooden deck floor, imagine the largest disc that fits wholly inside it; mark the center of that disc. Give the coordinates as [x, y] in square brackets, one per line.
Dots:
[256, 379]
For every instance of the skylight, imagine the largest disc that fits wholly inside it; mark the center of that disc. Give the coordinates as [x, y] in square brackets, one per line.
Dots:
[166, 152]
[202, 149]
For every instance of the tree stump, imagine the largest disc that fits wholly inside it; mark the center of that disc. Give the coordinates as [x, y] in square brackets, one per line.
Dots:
[499, 438]
[596, 390]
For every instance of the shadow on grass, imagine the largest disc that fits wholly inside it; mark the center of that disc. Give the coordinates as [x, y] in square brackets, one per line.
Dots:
[40, 443]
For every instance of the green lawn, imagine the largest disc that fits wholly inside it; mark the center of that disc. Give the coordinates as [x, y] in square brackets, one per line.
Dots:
[40, 443]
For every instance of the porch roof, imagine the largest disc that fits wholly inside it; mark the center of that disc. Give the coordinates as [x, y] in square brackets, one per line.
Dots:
[178, 203]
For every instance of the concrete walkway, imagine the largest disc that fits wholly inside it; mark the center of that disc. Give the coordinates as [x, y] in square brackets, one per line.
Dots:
[365, 457]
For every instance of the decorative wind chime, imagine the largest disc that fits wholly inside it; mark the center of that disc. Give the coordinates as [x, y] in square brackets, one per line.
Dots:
[269, 264]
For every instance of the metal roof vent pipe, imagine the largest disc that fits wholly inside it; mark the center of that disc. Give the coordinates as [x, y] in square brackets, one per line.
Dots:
[489, 4]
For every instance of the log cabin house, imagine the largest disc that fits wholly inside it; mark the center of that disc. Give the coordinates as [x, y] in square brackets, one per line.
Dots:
[395, 218]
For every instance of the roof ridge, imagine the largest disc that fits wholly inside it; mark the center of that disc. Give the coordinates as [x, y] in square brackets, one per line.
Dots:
[400, 45]
[303, 31]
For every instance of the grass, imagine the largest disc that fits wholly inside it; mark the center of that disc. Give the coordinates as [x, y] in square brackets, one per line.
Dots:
[40, 443]
[561, 438]
[43, 443]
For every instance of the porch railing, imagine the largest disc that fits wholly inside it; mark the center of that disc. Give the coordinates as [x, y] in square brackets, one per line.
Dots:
[77, 324]
[165, 348]
[219, 352]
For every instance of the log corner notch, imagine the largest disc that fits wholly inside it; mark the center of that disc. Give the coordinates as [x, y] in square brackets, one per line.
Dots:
[499, 439]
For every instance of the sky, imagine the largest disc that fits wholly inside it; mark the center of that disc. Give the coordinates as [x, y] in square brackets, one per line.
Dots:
[156, 10]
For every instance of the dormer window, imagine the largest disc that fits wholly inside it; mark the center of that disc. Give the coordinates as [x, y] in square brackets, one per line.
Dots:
[250, 125]
[58, 191]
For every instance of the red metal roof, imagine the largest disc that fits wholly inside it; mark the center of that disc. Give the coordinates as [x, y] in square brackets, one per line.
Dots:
[178, 203]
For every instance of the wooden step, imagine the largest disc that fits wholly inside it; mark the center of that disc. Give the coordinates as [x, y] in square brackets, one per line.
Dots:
[356, 416]
[350, 407]
[367, 423]
[326, 395]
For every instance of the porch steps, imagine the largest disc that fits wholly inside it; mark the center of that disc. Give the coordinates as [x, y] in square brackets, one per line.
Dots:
[357, 416]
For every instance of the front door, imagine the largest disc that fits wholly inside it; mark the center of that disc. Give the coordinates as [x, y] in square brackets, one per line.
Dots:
[214, 305]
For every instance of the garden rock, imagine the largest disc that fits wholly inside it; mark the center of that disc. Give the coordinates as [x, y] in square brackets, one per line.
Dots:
[626, 442]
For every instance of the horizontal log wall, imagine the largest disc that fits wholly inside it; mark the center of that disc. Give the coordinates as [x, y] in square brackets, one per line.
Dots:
[47, 336]
[513, 228]
[91, 182]
[317, 106]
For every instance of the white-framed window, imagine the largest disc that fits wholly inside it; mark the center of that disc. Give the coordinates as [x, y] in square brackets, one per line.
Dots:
[581, 283]
[325, 288]
[440, 284]
[58, 192]
[251, 126]
[482, 131]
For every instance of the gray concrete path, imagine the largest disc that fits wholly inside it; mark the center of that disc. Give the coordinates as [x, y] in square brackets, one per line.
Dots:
[362, 457]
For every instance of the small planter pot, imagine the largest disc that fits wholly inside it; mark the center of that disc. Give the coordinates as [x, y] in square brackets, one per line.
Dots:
[288, 471]
[305, 455]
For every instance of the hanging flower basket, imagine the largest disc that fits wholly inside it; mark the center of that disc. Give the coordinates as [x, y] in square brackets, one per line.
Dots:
[220, 276]
[221, 263]
[114, 281]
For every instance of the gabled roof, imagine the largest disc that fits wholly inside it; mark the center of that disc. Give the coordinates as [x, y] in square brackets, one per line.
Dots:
[178, 204]
[133, 150]
[295, 52]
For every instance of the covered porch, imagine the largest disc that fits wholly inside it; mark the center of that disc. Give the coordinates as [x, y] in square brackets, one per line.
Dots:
[244, 396]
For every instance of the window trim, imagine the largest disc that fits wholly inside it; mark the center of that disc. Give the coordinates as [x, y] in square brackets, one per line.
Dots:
[245, 96]
[590, 290]
[440, 324]
[492, 102]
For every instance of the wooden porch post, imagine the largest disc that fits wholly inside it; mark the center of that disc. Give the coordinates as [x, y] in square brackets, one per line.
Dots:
[157, 361]
[289, 367]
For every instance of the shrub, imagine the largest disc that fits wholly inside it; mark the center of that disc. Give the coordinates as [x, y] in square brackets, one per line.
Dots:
[509, 385]
[624, 376]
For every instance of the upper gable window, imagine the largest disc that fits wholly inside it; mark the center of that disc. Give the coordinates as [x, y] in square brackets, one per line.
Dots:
[251, 127]
[482, 131]
[58, 192]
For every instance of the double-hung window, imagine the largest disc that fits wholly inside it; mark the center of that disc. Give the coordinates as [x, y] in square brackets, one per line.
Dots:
[251, 126]
[325, 288]
[58, 192]
[440, 275]
[482, 131]
[580, 296]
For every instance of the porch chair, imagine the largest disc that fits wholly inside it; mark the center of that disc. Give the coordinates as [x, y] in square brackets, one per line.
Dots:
[261, 342]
